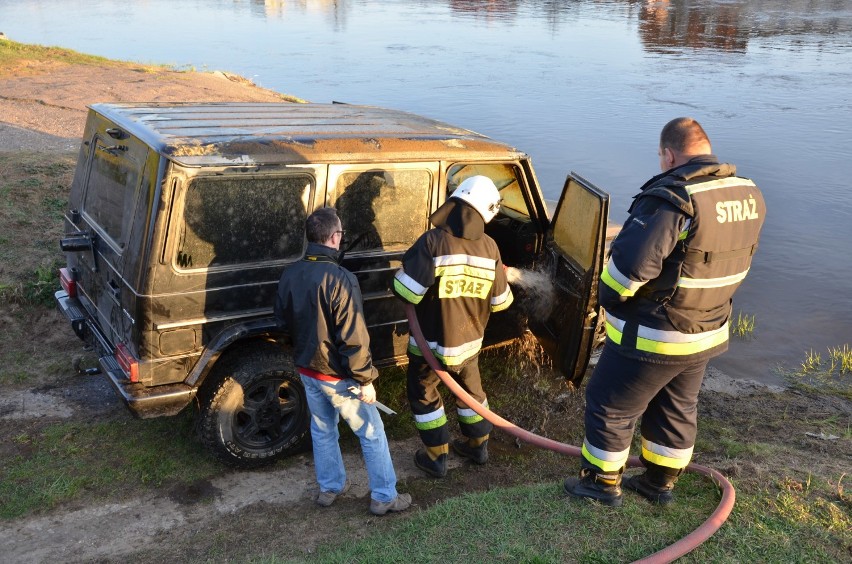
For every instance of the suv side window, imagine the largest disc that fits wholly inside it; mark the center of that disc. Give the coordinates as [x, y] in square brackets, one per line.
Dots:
[111, 193]
[240, 220]
[383, 209]
[514, 231]
[505, 177]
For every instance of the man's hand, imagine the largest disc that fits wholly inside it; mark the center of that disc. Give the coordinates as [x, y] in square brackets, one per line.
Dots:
[368, 394]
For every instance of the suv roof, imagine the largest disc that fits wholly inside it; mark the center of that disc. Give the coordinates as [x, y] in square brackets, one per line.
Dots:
[211, 134]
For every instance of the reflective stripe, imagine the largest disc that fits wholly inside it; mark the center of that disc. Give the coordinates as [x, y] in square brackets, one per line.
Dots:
[469, 416]
[466, 270]
[480, 262]
[666, 456]
[605, 460]
[729, 182]
[408, 287]
[622, 285]
[672, 343]
[684, 282]
[431, 420]
[683, 234]
[504, 300]
[450, 356]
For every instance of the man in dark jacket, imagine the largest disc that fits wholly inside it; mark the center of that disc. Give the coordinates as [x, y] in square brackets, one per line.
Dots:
[454, 276]
[667, 290]
[319, 304]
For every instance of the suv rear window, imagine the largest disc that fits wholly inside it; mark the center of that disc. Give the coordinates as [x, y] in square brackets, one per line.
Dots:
[230, 220]
[111, 193]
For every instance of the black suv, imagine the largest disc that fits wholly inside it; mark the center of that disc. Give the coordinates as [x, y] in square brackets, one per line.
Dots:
[183, 216]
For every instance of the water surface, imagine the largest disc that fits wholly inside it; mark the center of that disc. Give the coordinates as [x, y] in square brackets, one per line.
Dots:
[580, 85]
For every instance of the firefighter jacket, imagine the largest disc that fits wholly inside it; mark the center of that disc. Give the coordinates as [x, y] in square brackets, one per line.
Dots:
[454, 276]
[319, 304]
[673, 269]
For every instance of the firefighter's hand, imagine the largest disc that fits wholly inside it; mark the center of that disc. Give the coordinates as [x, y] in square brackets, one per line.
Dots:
[368, 394]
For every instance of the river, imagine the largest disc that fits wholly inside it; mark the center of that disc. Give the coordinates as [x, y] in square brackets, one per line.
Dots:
[580, 85]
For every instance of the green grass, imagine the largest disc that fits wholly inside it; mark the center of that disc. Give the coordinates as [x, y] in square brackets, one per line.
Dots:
[12, 52]
[63, 461]
[744, 325]
[832, 374]
[33, 197]
[536, 523]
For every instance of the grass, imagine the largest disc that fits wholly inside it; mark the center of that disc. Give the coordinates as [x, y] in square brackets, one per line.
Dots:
[832, 374]
[25, 57]
[33, 197]
[536, 523]
[743, 325]
[61, 462]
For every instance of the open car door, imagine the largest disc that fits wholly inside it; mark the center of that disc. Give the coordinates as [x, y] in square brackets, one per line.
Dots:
[574, 255]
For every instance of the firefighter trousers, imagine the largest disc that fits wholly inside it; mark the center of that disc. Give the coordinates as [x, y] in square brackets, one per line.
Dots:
[665, 396]
[428, 407]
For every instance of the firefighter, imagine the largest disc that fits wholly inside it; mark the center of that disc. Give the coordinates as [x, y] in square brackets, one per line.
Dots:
[667, 291]
[454, 276]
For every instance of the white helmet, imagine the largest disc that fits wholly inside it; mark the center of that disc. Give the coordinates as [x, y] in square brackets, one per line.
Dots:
[481, 193]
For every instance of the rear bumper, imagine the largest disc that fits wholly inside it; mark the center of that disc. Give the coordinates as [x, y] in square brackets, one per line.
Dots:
[143, 401]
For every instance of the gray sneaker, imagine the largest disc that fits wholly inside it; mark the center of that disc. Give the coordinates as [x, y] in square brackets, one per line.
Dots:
[324, 499]
[400, 503]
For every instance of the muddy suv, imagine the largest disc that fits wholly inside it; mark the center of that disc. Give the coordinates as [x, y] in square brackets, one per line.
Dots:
[182, 218]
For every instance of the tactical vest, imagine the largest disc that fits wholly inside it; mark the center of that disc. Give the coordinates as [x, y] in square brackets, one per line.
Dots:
[714, 252]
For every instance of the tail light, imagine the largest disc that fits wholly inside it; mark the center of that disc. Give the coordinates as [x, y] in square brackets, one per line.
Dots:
[68, 281]
[127, 361]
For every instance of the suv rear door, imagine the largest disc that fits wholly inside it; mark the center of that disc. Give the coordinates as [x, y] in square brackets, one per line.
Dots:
[574, 256]
[113, 179]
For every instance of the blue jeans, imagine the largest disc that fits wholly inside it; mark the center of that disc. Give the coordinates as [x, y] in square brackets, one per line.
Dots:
[328, 402]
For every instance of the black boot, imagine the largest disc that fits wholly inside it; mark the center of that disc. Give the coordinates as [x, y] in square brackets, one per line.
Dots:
[478, 454]
[436, 468]
[592, 484]
[655, 484]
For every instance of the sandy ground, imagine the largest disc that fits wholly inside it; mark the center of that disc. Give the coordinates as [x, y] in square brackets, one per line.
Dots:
[43, 109]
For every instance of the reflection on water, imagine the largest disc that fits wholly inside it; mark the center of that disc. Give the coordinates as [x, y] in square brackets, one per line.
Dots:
[580, 85]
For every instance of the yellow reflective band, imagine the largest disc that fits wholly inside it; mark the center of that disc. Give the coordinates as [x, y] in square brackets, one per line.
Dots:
[507, 301]
[450, 356]
[461, 286]
[407, 294]
[469, 416]
[620, 283]
[464, 269]
[433, 424]
[683, 235]
[664, 456]
[684, 282]
[426, 417]
[613, 333]
[680, 349]
[678, 344]
[614, 462]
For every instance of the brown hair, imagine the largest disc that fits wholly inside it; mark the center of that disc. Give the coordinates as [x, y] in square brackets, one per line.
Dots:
[683, 134]
[321, 225]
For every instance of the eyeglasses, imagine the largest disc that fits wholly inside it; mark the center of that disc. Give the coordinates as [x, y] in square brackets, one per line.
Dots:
[342, 233]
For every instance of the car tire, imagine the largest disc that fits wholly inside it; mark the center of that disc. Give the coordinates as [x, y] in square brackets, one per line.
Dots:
[253, 409]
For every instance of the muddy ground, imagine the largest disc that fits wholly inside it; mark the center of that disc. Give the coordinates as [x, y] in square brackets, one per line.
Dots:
[42, 109]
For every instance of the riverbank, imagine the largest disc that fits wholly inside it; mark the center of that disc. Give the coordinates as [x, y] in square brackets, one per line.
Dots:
[80, 480]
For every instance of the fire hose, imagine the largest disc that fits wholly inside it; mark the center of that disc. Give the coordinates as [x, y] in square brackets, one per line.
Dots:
[668, 554]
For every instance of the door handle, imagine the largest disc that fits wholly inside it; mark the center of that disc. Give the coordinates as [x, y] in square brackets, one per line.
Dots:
[114, 289]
